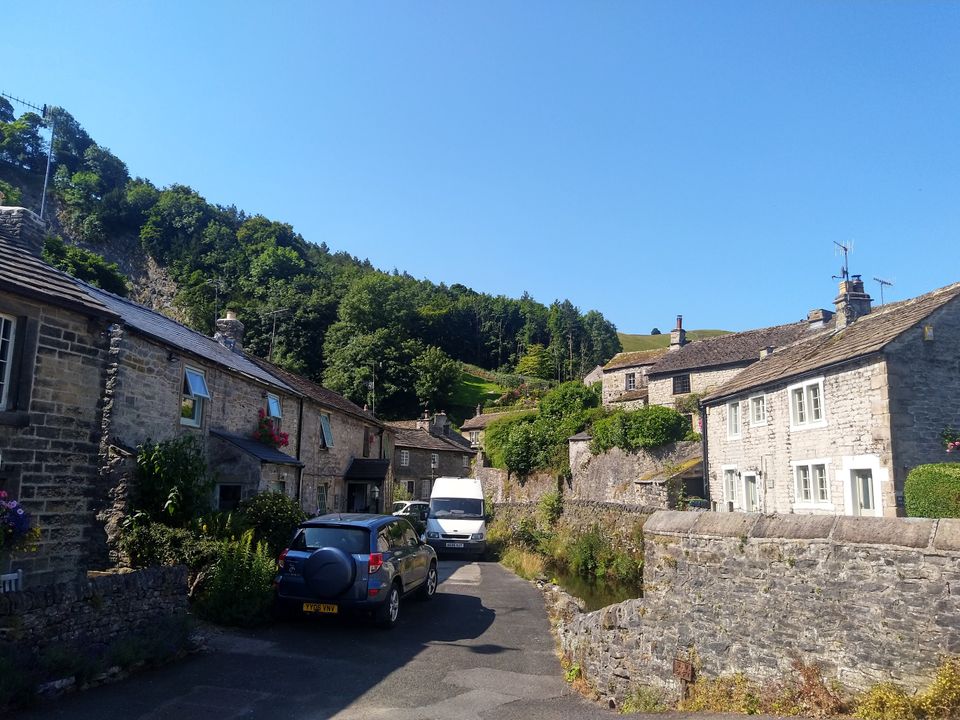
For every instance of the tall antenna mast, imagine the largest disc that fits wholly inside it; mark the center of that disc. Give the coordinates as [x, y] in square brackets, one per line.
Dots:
[845, 269]
[47, 117]
[882, 283]
[273, 333]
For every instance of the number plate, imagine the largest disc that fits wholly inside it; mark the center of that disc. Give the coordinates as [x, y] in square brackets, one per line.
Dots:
[460, 545]
[321, 608]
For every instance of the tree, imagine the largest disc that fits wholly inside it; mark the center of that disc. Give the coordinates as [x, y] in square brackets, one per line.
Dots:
[436, 377]
[85, 265]
[536, 362]
[655, 331]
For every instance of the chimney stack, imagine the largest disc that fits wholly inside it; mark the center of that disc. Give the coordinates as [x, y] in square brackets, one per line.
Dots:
[851, 302]
[24, 228]
[816, 319]
[678, 336]
[230, 332]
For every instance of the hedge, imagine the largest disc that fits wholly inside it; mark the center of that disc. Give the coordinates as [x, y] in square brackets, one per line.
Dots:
[933, 491]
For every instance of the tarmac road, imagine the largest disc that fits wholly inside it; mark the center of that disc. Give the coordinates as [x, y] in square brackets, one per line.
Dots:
[480, 650]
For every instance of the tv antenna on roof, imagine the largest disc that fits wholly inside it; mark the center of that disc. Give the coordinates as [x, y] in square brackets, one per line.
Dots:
[47, 117]
[845, 268]
[273, 333]
[882, 283]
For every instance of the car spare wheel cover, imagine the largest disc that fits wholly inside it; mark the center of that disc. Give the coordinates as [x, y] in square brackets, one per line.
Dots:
[329, 571]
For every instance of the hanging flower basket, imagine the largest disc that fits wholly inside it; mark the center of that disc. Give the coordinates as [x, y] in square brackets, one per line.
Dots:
[17, 531]
[267, 434]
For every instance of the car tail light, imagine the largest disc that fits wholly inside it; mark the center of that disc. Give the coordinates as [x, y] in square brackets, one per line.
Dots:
[376, 562]
[282, 559]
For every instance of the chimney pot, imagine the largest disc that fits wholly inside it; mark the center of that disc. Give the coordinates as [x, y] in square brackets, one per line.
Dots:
[678, 336]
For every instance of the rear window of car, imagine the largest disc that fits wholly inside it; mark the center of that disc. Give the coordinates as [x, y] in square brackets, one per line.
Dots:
[354, 541]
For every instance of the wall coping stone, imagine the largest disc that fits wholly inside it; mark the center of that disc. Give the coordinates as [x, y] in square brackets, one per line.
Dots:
[941, 534]
[948, 534]
[794, 527]
[906, 532]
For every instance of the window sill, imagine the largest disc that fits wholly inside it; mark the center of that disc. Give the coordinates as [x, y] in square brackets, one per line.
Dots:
[808, 426]
[814, 506]
[759, 423]
[15, 419]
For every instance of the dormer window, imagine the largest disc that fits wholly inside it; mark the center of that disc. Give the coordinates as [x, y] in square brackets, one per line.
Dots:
[194, 393]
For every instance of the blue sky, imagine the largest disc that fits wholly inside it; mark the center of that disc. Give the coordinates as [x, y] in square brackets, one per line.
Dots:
[642, 159]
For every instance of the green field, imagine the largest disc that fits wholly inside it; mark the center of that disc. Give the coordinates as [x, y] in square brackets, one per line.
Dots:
[632, 343]
[471, 391]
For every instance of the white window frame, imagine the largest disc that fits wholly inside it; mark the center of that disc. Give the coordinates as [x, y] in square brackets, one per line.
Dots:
[474, 437]
[758, 401]
[326, 431]
[815, 502]
[273, 403]
[6, 358]
[734, 430]
[806, 405]
[466, 461]
[731, 481]
[434, 460]
[195, 383]
[630, 381]
[404, 458]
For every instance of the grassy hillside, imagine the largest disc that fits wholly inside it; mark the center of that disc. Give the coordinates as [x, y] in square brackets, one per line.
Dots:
[632, 343]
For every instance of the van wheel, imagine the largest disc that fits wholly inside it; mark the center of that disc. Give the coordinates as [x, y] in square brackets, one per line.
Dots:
[388, 614]
[429, 587]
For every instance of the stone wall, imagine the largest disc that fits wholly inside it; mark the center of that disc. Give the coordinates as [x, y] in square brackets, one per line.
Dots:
[49, 445]
[634, 478]
[868, 599]
[855, 434]
[924, 391]
[615, 382]
[504, 487]
[93, 611]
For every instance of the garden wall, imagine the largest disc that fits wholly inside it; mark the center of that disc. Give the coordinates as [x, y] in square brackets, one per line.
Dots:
[868, 599]
[93, 611]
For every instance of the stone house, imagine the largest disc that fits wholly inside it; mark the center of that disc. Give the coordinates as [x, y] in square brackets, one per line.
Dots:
[166, 381]
[624, 378]
[833, 423]
[426, 449]
[345, 450]
[474, 428]
[594, 376]
[688, 370]
[54, 342]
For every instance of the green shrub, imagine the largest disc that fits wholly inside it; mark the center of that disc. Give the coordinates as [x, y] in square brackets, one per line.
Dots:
[642, 699]
[11, 195]
[172, 484]
[933, 491]
[646, 428]
[587, 553]
[551, 508]
[147, 544]
[884, 702]
[239, 590]
[273, 517]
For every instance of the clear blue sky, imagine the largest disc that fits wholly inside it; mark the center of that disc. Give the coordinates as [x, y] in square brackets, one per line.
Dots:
[643, 159]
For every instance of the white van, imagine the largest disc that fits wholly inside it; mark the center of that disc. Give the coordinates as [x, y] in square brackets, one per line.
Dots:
[456, 523]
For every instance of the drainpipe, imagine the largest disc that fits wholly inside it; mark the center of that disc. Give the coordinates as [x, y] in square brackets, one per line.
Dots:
[299, 445]
[703, 444]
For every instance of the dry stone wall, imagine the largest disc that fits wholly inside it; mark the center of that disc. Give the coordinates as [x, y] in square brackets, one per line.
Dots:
[868, 599]
[93, 611]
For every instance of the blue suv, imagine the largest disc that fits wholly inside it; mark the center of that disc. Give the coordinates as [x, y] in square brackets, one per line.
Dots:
[357, 562]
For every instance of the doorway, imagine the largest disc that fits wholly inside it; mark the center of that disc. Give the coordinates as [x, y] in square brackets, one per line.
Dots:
[861, 492]
[750, 498]
[357, 498]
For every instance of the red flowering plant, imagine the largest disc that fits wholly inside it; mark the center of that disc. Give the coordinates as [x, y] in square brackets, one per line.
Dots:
[268, 434]
[17, 531]
[951, 439]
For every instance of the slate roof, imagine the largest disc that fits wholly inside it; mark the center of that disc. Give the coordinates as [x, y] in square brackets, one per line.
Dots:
[634, 359]
[25, 274]
[159, 327]
[422, 440]
[732, 349]
[317, 392]
[868, 335]
[638, 394]
[480, 422]
[580, 436]
[265, 453]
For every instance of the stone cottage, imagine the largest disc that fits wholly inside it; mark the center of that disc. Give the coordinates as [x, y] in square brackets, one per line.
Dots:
[345, 450]
[474, 428]
[624, 378]
[833, 423]
[426, 449]
[690, 369]
[166, 380]
[54, 343]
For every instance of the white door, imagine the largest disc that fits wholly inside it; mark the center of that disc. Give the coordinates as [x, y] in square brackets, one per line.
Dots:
[861, 492]
[750, 501]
